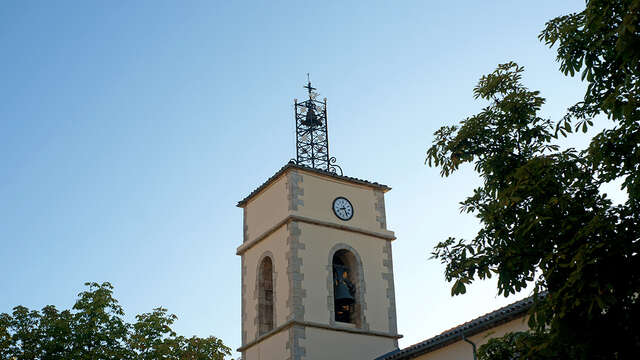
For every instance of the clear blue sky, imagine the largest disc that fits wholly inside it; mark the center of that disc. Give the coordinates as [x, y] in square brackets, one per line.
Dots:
[128, 131]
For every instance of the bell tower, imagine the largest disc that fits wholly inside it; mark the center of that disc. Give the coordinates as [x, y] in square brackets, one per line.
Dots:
[317, 268]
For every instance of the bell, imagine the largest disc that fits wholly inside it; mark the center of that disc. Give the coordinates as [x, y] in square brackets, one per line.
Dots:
[343, 295]
[342, 288]
[311, 120]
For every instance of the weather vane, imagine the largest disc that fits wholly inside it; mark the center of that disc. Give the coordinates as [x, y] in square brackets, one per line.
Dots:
[312, 136]
[309, 87]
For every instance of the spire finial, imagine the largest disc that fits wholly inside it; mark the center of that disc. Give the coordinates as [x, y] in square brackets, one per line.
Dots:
[309, 87]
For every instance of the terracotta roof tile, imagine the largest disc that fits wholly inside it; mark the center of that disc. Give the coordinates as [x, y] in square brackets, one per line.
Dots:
[469, 328]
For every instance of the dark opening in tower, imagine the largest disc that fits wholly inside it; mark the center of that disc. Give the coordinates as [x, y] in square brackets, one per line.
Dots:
[265, 296]
[345, 269]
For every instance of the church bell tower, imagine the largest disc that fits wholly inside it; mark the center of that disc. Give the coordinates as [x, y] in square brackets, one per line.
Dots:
[317, 268]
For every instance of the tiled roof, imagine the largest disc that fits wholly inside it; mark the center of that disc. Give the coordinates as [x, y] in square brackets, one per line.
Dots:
[293, 165]
[469, 328]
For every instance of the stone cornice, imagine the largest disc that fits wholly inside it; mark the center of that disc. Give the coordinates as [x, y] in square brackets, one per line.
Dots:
[291, 323]
[247, 245]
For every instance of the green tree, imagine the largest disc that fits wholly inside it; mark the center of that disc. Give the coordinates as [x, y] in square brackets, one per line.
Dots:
[6, 339]
[56, 333]
[603, 42]
[98, 327]
[152, 337]
[195, 348]
[543, 216]
[95, 329]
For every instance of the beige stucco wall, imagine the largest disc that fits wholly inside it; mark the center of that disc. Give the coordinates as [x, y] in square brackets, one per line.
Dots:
[273, 204]
[319, 193]
[266, 209]
[276, 245]
[316, 268]
[271, 348]
[321, 344]
[463, 350]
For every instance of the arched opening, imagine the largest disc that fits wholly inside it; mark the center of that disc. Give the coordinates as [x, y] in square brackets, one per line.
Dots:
[345, 287]
[265, 296]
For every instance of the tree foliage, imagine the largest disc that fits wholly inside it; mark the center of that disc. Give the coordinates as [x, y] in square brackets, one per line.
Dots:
[95, 329]
[603, 42]
[543, 216]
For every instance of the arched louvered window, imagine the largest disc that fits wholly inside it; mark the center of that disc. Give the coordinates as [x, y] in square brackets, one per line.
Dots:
[265, 296]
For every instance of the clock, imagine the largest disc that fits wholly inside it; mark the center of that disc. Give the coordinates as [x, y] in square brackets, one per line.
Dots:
[342, 208]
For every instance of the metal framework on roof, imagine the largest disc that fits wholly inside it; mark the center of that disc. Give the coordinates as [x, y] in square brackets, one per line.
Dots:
[312, 135]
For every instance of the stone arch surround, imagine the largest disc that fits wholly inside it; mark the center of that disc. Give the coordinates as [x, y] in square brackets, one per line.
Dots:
[361, 304]
[257, 293]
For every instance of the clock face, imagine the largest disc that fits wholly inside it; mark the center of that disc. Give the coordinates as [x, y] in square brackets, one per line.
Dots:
[342, 208]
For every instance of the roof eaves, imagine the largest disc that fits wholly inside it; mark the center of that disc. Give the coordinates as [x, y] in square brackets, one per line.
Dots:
[292, 164]
[469, 328]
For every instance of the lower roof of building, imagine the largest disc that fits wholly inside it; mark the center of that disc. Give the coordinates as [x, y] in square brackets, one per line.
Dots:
[470, 328]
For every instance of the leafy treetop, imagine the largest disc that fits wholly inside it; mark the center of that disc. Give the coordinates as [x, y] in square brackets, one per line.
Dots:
[95, 329]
